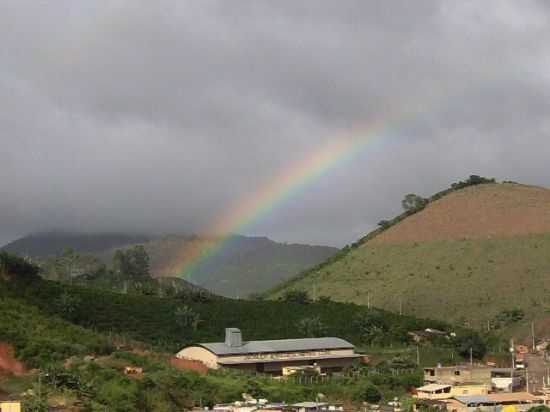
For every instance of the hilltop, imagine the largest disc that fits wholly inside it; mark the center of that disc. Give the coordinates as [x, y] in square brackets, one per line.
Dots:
[245, 265]
[470, 254]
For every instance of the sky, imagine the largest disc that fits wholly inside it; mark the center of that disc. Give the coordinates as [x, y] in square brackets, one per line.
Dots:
[160, 117]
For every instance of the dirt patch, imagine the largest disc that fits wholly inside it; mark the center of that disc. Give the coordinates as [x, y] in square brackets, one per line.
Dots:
[8, 364]
[479, 212]
[188, 364]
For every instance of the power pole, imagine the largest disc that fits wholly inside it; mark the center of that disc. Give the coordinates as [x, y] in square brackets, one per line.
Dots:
[401, 306]
[533, 334]
[471, 356]
[368, 300]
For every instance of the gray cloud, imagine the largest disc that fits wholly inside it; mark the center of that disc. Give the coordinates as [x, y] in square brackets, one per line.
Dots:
[141, 116]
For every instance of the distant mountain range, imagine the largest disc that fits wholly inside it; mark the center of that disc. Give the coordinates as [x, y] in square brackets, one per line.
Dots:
[472, 254]
[244, 266]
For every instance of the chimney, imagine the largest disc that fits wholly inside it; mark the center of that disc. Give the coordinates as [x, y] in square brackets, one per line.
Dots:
[233, 337]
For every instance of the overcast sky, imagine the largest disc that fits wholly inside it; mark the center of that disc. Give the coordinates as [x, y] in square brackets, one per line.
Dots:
[158, 116]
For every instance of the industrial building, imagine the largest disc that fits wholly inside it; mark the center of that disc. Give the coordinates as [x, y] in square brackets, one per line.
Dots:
[271, 356]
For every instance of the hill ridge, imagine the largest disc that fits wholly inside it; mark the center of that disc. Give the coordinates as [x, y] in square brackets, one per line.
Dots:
[451, 276]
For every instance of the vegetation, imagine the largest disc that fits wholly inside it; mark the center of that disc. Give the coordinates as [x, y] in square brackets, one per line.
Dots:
[484, 281]
[44, 338]
[246, 265]
[172, 322]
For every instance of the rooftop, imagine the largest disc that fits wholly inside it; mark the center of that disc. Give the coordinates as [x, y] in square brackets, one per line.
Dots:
[281, 345]
[432, 387]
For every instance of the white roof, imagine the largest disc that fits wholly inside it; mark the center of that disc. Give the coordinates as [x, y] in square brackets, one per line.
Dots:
[433, 387]
[309, 404]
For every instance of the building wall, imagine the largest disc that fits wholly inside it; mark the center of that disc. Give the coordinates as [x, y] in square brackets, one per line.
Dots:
[457, 376]
[200, 354]
[286, 356]
[10, 406]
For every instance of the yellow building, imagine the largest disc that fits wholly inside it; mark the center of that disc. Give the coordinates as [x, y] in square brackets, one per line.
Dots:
[10, 406]
[436, 391]
[271, 356]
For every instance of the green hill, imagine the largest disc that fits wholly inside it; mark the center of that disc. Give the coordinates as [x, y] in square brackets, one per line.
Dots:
[471, 254]
[246, 265]
[80, 340]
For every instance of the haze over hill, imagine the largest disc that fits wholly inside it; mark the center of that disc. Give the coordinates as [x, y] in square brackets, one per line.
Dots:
[467, 256]
[245, 265]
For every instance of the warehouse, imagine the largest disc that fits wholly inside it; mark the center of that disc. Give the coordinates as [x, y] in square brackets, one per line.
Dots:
[271, 356]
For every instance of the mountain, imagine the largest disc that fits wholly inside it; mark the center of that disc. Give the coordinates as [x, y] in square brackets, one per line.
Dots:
[54, 242]
[476, 253]
[245, 265]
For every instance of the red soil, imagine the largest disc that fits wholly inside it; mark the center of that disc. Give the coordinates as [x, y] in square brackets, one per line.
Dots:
[8, 364]
[188, 364]
[478, 212]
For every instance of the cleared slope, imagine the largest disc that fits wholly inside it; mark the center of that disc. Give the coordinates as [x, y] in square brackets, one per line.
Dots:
[465, 257]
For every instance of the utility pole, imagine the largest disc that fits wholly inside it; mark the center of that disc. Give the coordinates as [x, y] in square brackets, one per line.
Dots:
[533, 334]
[401, 305]
[526, 380]
[368, 300]
[471, 356]
[417, 355]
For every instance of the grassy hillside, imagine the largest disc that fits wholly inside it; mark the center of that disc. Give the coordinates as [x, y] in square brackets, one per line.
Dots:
[54, 327]
[466, 256]
[246, 265]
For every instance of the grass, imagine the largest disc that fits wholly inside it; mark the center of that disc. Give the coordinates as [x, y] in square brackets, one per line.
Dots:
[454, 280]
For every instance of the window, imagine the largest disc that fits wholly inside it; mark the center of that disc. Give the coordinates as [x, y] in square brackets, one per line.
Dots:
[457, 373]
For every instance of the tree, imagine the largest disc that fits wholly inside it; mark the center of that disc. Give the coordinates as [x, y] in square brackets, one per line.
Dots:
[384, 224]
[133, 263]
[368, 393]
[187, 318]
[539, 408]
[370, 325]
[312, 327]
[413, 203]
[68, 305]
[140, 261]
[467, 341]
[296, 296]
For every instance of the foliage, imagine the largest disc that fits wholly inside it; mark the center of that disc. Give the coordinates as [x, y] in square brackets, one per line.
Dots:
[507, 317]
[470, 341]
[312, 327]
[413, 203]
[296, 296]
[187, 318]
[368, 393]
[13, 265]
[133, 262]
[539, 408]
[157, 321]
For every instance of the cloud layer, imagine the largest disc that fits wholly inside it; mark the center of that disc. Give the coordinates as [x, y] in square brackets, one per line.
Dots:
[159, 116]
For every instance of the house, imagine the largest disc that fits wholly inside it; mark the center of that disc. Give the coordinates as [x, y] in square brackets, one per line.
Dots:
[458, 375]
[435, 391]
[504, 380]
[10, 406]
[316, 407]
[521, 401]
[271, 356]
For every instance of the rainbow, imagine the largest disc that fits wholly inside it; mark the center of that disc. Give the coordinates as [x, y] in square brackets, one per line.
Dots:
[282, 187]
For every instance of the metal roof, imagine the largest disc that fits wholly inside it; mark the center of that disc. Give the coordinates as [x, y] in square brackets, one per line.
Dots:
[473, 399]
[280, 345]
